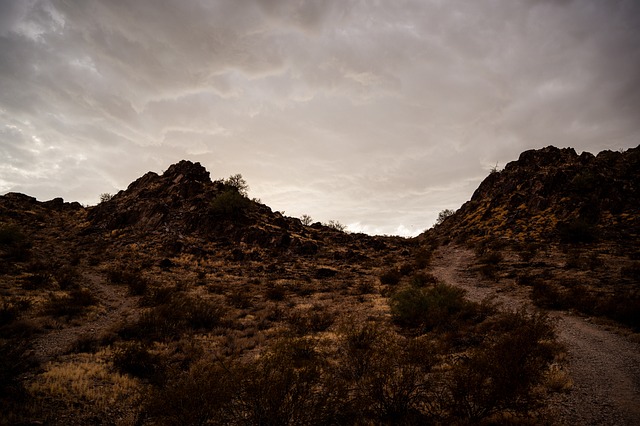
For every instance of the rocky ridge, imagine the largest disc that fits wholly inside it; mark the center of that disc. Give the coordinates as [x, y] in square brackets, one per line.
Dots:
[552, 195]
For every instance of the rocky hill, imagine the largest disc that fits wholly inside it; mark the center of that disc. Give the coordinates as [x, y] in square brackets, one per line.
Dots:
[555, 195]
[181, 301]
[564, 224]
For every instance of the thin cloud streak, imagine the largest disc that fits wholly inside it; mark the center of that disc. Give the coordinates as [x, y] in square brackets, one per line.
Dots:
[348, 110]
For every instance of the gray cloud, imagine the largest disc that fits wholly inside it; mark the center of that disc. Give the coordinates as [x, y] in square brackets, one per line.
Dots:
[378, 114]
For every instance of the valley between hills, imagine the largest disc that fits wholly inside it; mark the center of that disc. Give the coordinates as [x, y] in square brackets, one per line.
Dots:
[180, 301]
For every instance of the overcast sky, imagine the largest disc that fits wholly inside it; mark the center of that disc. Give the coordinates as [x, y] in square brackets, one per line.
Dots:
[377, 114]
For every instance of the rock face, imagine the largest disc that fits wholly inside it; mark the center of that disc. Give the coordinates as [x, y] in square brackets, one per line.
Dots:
[554, 194]
[154, 202]
[183, 201]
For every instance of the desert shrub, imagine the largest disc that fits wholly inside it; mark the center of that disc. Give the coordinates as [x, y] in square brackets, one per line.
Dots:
[86, 344]
[159, 295]
[489, 260]
[405, 269]
[547, 295]
[240, 299]
[390, 276]
[526, 279]
[275, 292]
[427, 308]
[10, 235]
[37, 281]
[576, 231]
[358, 343]
[317, 318]
[14, 243]
[133, 279]
[594, 261]
[324, 272]
[306, 220]
[11, 308]
[574, 260]
[238, 183]
[528, 251]
[623, 306]
[631, 271]
[66, 277]
[229, 205]
[490, 257]
[365, 287]
[303, 289]
[502, 374]
[284, 386]
[443, 215]
[137, 360]
[201, 395]
[422, 258]
[422, 279]
[335, 225]
[388, 380]
[170, 320]
[15, 360]
[71, 304]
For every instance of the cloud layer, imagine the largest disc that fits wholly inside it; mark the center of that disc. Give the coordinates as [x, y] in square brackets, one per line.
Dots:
[377, 114]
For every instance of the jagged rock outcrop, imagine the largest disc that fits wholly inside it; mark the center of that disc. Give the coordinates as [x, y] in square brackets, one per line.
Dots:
[554, 194]
[183, 201]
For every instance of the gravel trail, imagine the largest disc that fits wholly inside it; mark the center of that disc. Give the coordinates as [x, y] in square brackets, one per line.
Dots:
[604, 366]
[117, 307]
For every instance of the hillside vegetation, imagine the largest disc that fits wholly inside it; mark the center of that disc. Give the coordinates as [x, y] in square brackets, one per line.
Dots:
[181, 301]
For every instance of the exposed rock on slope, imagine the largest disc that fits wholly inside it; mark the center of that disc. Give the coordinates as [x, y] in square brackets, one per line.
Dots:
[183, 201]
[554, 194]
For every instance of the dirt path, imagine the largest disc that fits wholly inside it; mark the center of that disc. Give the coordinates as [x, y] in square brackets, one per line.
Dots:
[604, 366]
[115, 304]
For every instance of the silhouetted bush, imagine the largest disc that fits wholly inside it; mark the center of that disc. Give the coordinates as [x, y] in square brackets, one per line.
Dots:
[229, 205]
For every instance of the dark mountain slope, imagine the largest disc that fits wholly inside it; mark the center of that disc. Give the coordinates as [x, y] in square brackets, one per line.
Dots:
[552, 195]
[184, 203]
[563, 224]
